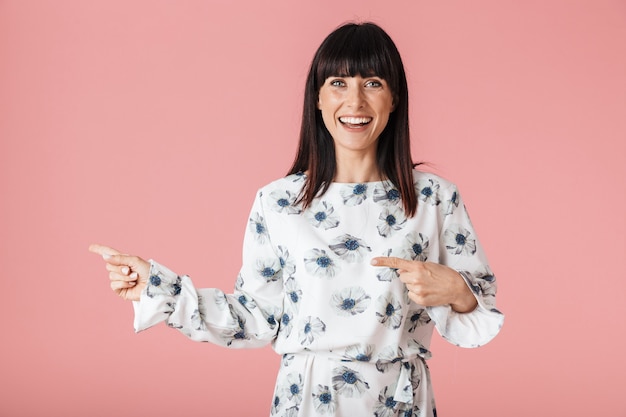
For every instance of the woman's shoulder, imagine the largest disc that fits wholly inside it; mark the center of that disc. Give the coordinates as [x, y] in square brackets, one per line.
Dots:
[291, 183]
[436, 191]
[423, 179]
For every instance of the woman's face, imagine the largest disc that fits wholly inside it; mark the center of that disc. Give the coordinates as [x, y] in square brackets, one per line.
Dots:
[355, 111]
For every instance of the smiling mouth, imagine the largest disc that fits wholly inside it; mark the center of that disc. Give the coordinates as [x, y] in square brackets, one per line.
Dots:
[355, 121]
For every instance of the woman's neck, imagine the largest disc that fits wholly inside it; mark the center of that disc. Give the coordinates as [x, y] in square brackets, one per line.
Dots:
[357, 170]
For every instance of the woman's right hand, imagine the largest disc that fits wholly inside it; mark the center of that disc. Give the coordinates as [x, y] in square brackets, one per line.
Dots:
[128, 274]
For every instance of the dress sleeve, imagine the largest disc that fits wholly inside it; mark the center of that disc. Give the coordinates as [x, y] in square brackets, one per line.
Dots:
[461, 250]
[249, 317]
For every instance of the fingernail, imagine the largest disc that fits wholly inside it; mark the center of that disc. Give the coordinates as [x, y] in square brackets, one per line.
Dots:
[134, 275]
[125, 270]
[374, 262]
[106, 256]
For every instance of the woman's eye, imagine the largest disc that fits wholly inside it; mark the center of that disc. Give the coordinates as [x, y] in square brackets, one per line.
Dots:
[374, 83]
[337, 83]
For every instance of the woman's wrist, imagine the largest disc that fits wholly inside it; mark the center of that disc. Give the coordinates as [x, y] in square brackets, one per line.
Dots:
[465, 301]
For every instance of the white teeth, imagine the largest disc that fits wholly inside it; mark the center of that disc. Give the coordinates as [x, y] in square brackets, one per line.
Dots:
[355, 120]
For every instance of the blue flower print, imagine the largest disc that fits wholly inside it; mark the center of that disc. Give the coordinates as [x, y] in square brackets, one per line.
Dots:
[386, 405]
[311, 329]
[321, 215]
[287, 263]
[353, 195]
[428, 191]
[385, 196]
[158, 286]
[392, 220]
[269, 270]
[272, 316]
[238, 333]
[277, 404]
[287, 359]
[349, 248]
[415, 347]
[406, 410]
[482, 282]
[389, 311]
[286, 323]
[451, 204]
[414, 381]
[318, 263]
[417, 249]
[417, 318]
[323, 400]
[248, 303]
[293, 292]
[389, 356]
[348, 382]
[458, 242]
[415, 376]
[358, 353]
[257, 228]
[487, 282]
[284, 201]
[293, 387]
[350, 301]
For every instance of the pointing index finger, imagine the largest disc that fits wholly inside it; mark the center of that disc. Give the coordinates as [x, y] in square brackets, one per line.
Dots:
[391, 262]
[105, 251]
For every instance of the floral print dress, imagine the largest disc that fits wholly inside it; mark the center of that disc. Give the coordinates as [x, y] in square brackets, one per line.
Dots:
[351, 340]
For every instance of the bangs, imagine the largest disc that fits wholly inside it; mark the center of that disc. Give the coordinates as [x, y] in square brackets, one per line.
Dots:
[362, 50]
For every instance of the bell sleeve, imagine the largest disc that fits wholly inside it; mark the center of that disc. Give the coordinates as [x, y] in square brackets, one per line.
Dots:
[249, 317]
[460, 249]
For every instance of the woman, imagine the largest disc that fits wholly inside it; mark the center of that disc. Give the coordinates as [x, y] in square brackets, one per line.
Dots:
[349, 261]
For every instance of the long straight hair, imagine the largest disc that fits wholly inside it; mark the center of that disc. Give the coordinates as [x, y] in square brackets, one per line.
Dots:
[356, 49]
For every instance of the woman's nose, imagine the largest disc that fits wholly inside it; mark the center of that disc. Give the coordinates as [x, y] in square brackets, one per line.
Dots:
[355, 97]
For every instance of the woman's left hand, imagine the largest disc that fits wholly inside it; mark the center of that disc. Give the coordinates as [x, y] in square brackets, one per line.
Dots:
[431, 284]
[128, 274]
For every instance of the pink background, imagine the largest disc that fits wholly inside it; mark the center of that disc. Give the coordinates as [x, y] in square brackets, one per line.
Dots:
[149, 125]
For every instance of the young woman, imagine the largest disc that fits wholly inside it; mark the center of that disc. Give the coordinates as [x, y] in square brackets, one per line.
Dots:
[349, 261]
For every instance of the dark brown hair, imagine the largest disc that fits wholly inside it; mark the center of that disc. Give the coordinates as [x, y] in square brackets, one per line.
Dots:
[356, 49]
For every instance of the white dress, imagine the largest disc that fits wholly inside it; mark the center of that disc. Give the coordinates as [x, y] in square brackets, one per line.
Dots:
[353, 343]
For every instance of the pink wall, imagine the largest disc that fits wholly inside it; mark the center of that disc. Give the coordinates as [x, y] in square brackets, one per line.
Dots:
[149, 125]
